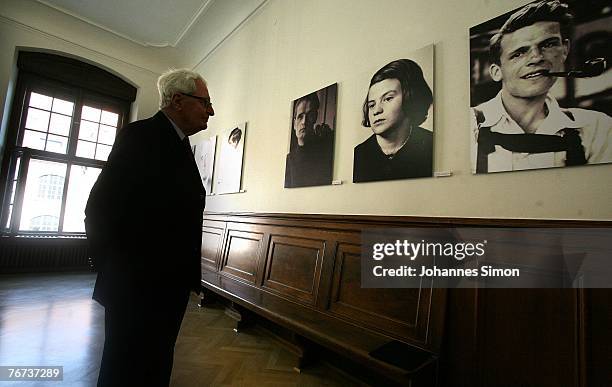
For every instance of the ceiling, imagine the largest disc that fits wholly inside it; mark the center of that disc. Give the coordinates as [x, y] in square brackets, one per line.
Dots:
[157, 23]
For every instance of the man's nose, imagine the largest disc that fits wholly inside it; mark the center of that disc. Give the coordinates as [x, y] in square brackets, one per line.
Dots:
[211, 111]
[535, 55]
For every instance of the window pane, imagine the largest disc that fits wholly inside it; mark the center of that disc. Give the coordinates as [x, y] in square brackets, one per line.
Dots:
[34, 140]
[13, 190]
[81, 180]
[42, 199]
[107, 134]
[50, 187]
[88, 131]
[57, 144]
[109, 118]
[102, 152]
[59, 124]
[40, 101]
[90, 114]
[86, 149]
[61, 106]
[10, 215]
[44, 223]
[37, 119]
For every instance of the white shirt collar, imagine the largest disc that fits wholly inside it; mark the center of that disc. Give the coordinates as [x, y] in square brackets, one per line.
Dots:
[494, 112]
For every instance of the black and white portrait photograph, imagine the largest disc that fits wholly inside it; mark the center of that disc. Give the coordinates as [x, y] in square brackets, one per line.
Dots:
[228, 172]
[541, 88]
[397, 121]
[310, 160]
[205, 159]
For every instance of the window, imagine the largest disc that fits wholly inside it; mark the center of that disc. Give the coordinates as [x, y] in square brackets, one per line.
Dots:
[50, 187]
[44, 223]
[60, 137]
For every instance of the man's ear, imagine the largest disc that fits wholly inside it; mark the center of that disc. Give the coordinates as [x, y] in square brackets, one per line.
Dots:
[495, 71]
[566, 48]
[177, 101]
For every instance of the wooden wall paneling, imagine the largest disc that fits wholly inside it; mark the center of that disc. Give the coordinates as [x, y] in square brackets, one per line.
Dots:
[400, 313]
[242, 253]
[261, 261]
[212, 238]
[458, 357]
[327, 273]
[528, 337]
[596, 343]
[293, 267]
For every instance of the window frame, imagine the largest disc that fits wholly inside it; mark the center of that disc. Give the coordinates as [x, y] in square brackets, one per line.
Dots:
[27, 83]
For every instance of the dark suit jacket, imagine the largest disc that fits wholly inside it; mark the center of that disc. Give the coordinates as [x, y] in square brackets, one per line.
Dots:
[144, 216]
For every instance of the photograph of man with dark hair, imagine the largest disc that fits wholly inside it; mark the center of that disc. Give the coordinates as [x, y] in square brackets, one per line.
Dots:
[524, 126]
[397, 103]
[310, 160]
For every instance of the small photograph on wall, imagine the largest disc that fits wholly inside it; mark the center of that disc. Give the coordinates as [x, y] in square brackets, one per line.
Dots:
[205, 159]
[228, 175]
[541, 87]
[397, 121]
[310, 160]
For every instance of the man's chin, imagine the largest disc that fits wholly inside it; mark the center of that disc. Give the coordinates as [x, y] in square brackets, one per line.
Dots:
[538, 87]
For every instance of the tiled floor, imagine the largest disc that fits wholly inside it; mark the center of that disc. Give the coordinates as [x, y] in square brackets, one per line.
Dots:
[50, 319]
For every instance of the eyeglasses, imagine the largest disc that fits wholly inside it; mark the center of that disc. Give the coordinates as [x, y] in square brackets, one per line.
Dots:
[204, 101]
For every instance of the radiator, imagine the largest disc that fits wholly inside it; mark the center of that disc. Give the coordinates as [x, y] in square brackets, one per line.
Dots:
[40, 254]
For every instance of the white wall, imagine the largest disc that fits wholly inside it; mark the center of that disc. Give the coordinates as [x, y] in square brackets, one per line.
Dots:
[28, 25]
[291, 47]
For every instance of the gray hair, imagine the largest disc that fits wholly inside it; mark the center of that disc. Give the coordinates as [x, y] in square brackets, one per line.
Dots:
[176, 81]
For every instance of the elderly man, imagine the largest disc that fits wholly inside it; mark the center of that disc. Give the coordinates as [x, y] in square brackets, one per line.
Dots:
[143, 221]
[523, 127]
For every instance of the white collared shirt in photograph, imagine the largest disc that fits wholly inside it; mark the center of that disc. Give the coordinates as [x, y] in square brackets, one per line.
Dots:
[594, 129]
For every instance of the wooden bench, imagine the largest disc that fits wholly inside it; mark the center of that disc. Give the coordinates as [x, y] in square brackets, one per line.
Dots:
[303, 273]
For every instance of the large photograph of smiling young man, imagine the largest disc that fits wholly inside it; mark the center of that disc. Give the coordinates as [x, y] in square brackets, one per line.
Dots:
[397, 121]
[310, 160]
[541, 89]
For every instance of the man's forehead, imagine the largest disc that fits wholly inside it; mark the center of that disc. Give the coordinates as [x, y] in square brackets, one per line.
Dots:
[304, 105]
[530, 34]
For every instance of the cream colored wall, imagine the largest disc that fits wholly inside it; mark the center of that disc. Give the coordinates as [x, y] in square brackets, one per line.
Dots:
[28, 25]
[291, 47]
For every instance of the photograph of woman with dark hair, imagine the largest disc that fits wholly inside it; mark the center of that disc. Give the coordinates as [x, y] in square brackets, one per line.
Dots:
[396, 105]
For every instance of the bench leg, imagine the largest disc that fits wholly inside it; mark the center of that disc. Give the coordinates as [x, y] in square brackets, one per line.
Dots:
[304, 353]
[206, 298]
[239, 314]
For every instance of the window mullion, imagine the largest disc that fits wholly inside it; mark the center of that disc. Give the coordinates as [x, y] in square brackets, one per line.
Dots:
[20, 191]
[8, 192]
[76, 124]
[24, 113]
[60, 227]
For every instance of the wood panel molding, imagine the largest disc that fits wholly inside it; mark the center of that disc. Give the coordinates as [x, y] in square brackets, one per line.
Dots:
[303, 272]
[293, 267]
[241, 254]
